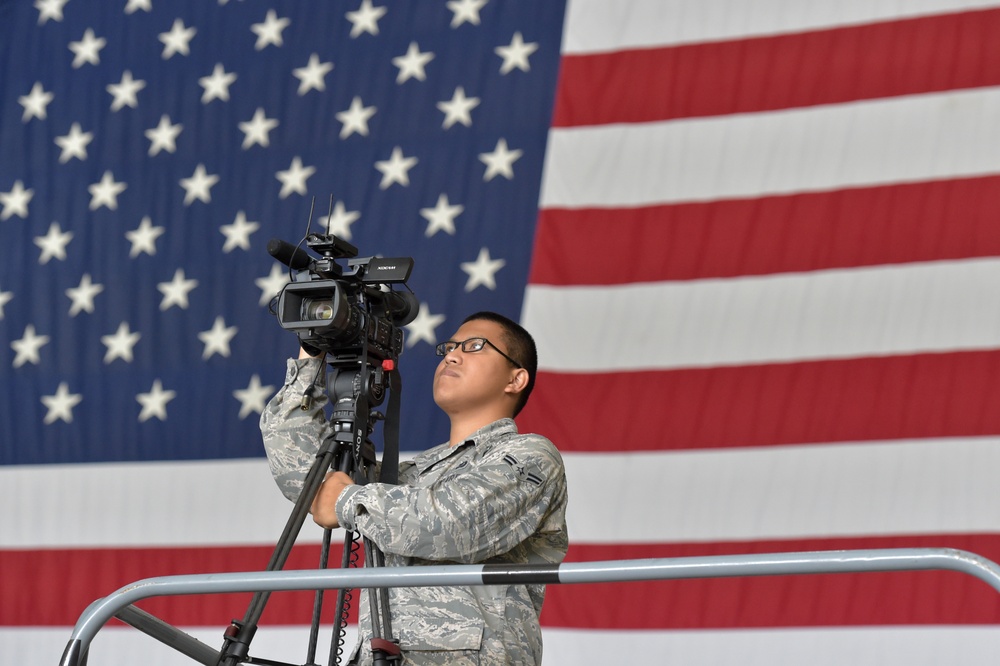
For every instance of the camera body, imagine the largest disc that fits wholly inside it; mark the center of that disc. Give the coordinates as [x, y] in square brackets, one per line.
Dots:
[340, 311]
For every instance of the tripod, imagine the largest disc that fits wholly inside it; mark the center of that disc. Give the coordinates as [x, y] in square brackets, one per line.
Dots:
[354, 386]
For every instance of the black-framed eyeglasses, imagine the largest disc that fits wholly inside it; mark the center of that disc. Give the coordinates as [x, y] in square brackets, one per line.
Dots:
[471, 346]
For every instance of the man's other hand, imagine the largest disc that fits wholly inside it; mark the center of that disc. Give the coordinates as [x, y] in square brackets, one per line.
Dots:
[324, 506]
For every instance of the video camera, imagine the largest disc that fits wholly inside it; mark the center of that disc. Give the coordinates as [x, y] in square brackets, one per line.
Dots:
[334, 310]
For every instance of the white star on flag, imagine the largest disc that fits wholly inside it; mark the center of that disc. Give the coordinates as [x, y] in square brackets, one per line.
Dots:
[125, 92]
[163, 136]
[238, 233]
[105, 193]
[465, 11]
[74, 144]
[88, 49]
[217, 84]
[176, 291]
[395, 169]
[340, 220]
[143, 238]
[26, 348]
[411, 65]
[135, 5]
[500, 162]
[198, 186]
[53, 244]
[49, 9]
[293, 180]
[253, 398]
[271, 284]
[312, 76]
[269, 32]
[423, 325]
[35, 103]
[154, 403]
[482, 271]
[355, 119]
[5, 298]
[515, 55]
[15, 202]
[83, 295]
[217, 338]
[257, 129]
[61, 404]
[457, 109]
[177, 40]
[441, 217]
[120, 344]
[365, 19]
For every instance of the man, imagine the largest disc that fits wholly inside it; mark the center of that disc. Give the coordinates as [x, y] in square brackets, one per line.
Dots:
[489, 494]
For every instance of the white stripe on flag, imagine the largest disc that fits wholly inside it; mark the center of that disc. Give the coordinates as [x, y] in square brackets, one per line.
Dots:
[199, 502]
[881, 488]
[809, 646]
[894, 140]
[116, 645]
[790, 492]
[857, 646]
[597, 25]
[900, 309]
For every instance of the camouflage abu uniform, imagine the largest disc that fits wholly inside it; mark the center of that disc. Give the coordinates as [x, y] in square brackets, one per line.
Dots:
[498, 497]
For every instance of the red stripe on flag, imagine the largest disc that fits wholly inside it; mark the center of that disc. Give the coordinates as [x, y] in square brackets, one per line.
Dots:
[891, 598]
[905, 57]
[893, 397]
[950, 219]
[49, 587]
[81, 576]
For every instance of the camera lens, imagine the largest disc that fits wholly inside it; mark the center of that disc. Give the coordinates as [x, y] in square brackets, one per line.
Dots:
[315, 310]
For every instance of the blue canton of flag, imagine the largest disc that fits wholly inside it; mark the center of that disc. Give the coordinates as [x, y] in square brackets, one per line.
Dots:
[150, 151]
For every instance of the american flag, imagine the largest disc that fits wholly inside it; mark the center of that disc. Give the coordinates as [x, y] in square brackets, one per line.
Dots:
[756, 243]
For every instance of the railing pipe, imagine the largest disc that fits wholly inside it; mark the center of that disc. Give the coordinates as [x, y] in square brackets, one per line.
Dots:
[769, 564]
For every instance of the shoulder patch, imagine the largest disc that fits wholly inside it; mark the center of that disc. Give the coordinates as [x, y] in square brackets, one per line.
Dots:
[522, 473]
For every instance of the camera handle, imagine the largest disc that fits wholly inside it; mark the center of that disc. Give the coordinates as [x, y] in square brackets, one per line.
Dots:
[334, 452]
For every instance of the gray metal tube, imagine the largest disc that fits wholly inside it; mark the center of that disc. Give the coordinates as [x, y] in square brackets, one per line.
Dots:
[842, 561]
[169, 635]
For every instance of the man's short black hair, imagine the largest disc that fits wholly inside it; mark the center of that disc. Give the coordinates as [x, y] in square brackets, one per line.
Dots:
[520, 347]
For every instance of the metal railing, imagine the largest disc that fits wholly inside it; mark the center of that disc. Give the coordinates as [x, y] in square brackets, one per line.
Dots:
[119, 603]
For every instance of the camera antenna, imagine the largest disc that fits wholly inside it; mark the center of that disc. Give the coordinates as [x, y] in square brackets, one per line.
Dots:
[329, 214]
[312, 207]
[298, 246]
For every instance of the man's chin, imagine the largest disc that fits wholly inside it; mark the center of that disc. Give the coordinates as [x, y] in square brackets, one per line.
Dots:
[447, 401]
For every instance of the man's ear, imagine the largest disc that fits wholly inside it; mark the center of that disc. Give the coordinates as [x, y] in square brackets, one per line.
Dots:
[518, 381]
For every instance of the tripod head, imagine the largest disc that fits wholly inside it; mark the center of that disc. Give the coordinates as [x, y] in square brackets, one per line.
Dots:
[355, 390]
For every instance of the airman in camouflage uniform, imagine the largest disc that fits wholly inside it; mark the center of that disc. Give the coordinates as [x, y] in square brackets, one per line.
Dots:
[490, 495]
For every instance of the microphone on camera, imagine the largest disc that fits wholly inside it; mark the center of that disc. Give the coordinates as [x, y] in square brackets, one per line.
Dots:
[288, 254]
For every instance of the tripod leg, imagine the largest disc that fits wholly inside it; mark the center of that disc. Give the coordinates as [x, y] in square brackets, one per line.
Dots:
[384, 648]
[324, 557]
[238, 636]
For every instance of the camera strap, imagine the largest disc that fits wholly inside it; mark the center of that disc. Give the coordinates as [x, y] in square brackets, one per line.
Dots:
[390, 449]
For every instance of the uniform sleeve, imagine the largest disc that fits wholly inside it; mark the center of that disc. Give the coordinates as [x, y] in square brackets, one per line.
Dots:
[292, 434]
[468, 516]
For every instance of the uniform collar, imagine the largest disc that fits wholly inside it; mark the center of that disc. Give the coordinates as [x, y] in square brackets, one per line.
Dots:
[503, 426]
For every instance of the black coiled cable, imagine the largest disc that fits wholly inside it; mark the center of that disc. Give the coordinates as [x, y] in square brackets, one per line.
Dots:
[345, 597]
